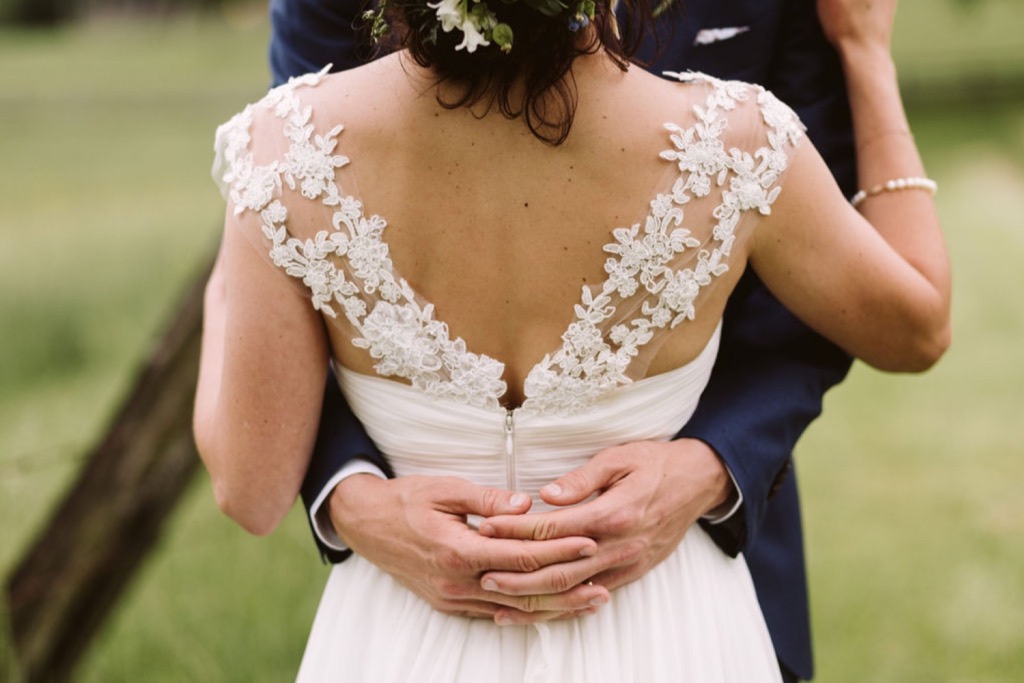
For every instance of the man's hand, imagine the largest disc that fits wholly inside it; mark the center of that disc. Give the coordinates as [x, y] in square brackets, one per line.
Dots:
[414, 528]
[648, 495]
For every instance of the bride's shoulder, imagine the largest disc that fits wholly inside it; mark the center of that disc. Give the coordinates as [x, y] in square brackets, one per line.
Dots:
[312, 108]
[280, 103]
[309, 96]
[352, 88]
[747, 110]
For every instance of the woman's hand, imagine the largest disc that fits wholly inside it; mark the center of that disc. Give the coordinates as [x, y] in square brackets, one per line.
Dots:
[857, 24]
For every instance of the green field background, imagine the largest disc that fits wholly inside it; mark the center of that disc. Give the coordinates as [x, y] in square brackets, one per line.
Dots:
[913, 509]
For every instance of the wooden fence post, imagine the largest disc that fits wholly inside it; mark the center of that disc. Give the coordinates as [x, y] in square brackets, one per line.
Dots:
[8, 662]
[71, 576]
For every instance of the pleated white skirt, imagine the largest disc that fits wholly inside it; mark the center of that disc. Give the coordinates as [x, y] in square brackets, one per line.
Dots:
[694, 617]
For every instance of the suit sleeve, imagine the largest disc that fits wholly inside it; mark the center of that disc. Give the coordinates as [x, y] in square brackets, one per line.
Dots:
[772, 370]
[306, 35]
[340, 438]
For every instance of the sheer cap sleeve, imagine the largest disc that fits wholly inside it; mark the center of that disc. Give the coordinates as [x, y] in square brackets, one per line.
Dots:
[279, 173]
[295, 199]
[730, 164]
[244, 179]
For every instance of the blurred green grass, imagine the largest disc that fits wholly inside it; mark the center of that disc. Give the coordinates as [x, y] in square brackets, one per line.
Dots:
[957, 35]
[914, 520]
[109, 211]
[913, 512]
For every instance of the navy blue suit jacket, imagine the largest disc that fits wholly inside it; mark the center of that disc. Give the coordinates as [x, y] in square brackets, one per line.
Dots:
[772, 371]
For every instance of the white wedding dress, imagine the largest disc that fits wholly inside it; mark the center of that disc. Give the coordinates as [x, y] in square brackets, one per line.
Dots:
[693, 617]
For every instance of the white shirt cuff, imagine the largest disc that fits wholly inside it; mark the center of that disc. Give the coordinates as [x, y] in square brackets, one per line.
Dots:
[322, 522]
[718, 515]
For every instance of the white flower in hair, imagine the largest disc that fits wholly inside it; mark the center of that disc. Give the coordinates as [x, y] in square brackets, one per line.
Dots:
[480, 25]
[449, 13]
[472, 37]
[475, 25]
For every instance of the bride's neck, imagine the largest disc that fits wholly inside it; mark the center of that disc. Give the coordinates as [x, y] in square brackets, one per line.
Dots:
[589, 75]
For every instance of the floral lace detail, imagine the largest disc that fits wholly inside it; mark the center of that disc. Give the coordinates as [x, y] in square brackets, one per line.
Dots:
[587, 365]
[348, 268]
[398, 332]
[251, 186]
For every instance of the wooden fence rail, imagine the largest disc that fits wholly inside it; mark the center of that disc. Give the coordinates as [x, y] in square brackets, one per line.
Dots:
[71, 576]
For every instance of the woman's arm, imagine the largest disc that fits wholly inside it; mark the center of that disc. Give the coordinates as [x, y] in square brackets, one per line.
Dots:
[262, 368]
[880, 289]
[772, 370]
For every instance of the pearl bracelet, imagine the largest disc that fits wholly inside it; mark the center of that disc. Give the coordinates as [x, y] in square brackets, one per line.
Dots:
[895, 185]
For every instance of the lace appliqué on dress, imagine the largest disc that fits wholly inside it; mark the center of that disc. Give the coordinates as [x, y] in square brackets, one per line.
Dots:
[399, 332]
[588, 365]
[349, 267]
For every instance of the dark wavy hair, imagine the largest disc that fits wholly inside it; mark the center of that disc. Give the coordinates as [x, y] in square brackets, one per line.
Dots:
[541, 58]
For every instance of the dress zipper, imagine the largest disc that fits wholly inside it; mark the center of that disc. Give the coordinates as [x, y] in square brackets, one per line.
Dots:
[510, 451]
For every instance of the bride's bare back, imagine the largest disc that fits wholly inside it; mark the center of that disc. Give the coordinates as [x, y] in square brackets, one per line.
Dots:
[502, 231]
